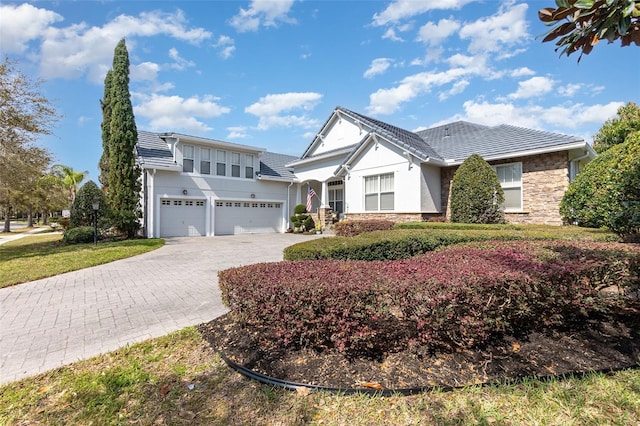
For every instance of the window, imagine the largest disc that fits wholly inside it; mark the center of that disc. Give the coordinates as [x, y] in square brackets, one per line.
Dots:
[221, 164]
[205, 161]
[248, 166]
[379, 192]
[510, 177]
[187, 158]
[235, 164]
[336, 196]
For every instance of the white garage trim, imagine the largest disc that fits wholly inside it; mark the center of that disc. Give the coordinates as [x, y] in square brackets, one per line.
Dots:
[247, 216]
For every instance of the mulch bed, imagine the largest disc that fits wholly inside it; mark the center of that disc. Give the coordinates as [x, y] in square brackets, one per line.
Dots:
[603, 342]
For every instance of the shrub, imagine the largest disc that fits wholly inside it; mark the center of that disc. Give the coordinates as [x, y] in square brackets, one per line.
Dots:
[476, 194]
[387, 245]
[300, 209]
[350, 228]
[458, 297]
[82, 208]
[80, 234]
[607, 192]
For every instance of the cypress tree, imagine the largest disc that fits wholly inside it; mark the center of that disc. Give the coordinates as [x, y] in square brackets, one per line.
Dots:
[105, 105]
[123, 183]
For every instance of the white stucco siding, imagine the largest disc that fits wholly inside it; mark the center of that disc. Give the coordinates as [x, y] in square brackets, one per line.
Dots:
[321, 170]
[379, 159]
[341, 133]
[171, 185]
[430, 189]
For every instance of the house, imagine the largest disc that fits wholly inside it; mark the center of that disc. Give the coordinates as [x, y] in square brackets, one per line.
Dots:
[194, 186]
[358, 167]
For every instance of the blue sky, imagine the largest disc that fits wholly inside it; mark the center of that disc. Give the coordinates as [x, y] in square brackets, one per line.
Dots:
[269, 73]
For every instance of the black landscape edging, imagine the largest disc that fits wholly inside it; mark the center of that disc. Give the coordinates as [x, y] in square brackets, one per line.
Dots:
[294, 386]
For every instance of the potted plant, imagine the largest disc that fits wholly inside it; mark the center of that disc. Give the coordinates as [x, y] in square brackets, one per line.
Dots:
[318, 228]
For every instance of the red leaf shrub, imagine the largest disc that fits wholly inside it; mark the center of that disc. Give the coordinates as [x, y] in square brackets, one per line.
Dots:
[459, 296]
[351, 228]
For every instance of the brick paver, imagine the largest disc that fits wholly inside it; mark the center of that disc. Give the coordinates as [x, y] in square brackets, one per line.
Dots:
[51, 322]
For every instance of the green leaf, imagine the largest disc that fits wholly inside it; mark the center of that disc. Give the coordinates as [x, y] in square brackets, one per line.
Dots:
[563, 3]
[623, 26]
[584, 4]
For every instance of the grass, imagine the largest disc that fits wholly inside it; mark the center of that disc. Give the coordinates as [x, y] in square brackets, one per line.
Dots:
[177, 379]
[40, 256]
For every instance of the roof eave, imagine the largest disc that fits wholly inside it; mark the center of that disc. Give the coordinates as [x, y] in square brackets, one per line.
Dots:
[526, 153]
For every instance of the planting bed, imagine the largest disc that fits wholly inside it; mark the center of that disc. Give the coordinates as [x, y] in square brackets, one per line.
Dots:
[468, 314]
[600, 343]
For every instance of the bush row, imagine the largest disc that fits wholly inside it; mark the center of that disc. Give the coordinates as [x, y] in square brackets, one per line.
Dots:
[457, 297]
[388, 245]
[351, 228]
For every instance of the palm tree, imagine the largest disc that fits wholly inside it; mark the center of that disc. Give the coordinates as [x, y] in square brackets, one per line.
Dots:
[71, 179]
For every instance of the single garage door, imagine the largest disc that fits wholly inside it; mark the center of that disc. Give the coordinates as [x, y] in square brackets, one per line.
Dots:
[182, 218]
[241, 217]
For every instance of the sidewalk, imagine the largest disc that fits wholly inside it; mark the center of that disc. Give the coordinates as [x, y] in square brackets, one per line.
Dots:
[16, 236]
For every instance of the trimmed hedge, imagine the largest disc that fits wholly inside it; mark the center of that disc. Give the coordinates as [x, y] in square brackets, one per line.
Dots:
[458, 297]
[351, 228]
[404, 243]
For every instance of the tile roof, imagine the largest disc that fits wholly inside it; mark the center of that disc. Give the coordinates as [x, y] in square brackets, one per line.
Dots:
[153, 152]
[273, 165]
[406, 139]
[457, 141]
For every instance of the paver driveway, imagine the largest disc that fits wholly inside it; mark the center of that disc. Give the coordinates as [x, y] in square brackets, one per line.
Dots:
[55, 321]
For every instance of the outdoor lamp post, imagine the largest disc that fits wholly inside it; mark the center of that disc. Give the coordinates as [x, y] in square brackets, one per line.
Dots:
[96, 205]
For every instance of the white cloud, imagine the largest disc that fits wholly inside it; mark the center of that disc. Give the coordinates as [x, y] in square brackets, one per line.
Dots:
[457, 88]
[404, 9]
[179, 63]
[378, 66]
[237, 132]
[262, 12]
[145, 71]
[570, 89]
[21, 24]
[79, 49]
[176, 113]
[493, 34]
[521, 72]
[535, 86]
[562, 117]
[272, 110]
[226, 45]
[387, 101]
[390, 34]
[434, 34]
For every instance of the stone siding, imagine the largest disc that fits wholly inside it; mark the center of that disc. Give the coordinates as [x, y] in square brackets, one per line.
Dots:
[545, 179]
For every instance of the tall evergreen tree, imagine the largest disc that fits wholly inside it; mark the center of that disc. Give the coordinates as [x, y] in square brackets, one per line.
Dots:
[123, 184]
[105, 104]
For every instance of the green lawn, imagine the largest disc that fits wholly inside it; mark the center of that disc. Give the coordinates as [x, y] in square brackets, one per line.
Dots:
[40, 256]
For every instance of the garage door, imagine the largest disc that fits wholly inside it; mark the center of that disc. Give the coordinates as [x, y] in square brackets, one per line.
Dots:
[235, 217]
[182, 218]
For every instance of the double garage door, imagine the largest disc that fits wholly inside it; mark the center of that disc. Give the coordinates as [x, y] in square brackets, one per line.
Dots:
[247, 217]
[187, 218]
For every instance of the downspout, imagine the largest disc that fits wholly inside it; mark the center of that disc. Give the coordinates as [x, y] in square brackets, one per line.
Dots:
[145, 208]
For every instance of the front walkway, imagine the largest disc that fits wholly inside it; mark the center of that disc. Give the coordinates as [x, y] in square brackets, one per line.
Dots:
[55, 321]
